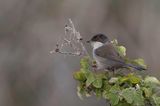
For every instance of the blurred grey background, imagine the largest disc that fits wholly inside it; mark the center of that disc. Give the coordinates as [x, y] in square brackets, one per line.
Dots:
[29, 29]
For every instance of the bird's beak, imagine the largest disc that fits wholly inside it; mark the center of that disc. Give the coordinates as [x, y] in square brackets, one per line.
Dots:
[88, 41]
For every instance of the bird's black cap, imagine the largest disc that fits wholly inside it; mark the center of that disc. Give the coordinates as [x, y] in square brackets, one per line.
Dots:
[100, 38]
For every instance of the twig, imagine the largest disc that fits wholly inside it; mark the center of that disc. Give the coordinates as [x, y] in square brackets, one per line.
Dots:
[73, 40]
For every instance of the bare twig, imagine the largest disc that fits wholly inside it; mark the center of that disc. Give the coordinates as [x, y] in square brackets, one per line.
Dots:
[73, 40]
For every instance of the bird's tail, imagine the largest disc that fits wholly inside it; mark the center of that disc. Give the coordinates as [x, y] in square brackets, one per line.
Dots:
[135, 67]
[140, 68]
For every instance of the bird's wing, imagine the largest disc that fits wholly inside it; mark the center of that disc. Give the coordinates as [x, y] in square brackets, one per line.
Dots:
[109, 52]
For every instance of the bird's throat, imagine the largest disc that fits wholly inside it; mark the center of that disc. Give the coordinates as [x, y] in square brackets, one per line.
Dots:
[97, 45]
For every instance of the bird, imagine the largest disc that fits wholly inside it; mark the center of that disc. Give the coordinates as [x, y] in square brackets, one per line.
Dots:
[106, 56]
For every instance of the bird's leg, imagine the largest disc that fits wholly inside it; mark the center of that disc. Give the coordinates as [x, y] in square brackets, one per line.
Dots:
[112, 69]
[94, 67]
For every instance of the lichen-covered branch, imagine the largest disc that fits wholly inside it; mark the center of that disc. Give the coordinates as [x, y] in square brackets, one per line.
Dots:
[72, 41]
[119, 90]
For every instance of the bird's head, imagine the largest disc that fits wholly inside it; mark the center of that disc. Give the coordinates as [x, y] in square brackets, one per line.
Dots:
[98, 40]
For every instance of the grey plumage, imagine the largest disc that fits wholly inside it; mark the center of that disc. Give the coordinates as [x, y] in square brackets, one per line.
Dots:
[106, 55]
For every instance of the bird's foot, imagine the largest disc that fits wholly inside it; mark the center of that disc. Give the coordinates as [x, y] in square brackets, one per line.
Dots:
[112, 69]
